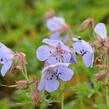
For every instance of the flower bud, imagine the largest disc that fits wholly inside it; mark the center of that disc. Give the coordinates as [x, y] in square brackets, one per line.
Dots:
[35, 96]
[99, 60]
[20, 58]
[86, 24]
[35, 81]
[49, 14]
[22, 84]
[101, 76]
[106, 44]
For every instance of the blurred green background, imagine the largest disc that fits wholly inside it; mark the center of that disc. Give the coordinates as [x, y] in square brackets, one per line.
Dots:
[22, 28]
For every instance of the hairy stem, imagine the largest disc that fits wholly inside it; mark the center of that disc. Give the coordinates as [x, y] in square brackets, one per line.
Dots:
[62, 101]
[106, 81]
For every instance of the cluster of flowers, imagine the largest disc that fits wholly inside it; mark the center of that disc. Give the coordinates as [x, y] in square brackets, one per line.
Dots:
[56, 54]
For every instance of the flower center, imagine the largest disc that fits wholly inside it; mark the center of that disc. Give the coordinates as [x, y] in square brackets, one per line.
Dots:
[52, 74]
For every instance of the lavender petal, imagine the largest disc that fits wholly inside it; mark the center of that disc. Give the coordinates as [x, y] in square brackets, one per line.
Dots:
[6, 67]
[51, 85]
[43, 52]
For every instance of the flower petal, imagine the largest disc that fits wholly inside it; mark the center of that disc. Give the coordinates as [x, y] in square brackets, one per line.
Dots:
[43, 52]
[100, 29]
[55, 23]
[66, 57]
[73, 59]
[51, 85]
[88, 59]
[41, 85]
[56, 43]
[6, 67]
[54, 59]
[55, 65]
[5, 51]
[66, 37]
[77, 47]
[66, 48]
[51, 42]
[55, 36]
[3, 60]
[65, 73]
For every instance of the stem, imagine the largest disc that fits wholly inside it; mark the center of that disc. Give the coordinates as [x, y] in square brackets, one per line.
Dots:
[107, 96]
[106, 80]
[62, 95]
[62, 101]
[25, 72]
[93, 33]
[81, 102]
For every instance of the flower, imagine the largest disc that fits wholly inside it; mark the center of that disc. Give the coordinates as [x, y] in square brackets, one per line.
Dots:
[6, 60]
[52, 74]
[55, 52]
[83, 48]
[100, 30]
[57, 24]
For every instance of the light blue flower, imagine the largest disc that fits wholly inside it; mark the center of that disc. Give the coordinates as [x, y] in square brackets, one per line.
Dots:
[52, 74]
[55, 52]
[85, 50]
[6, 56]
[55, 24]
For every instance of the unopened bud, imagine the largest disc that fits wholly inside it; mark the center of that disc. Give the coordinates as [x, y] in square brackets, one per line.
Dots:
[20, 57]
[102, 66]
[49, 14]
[86, 24]
[22, 84]
[99, 60]
[35, 81]
[106, 45]
[35, 96]
[101, 76]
